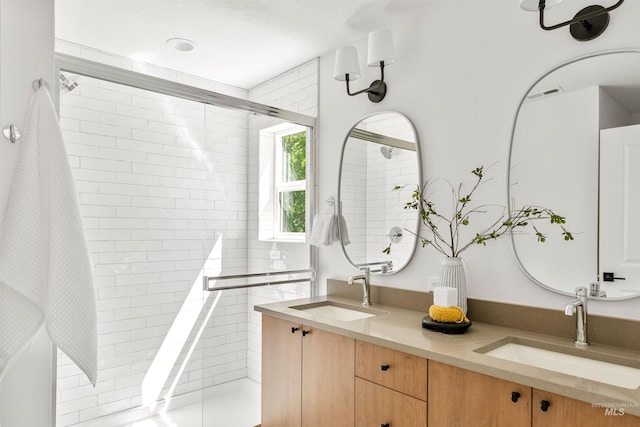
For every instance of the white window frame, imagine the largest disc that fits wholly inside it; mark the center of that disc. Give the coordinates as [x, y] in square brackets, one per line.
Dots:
[281, 187]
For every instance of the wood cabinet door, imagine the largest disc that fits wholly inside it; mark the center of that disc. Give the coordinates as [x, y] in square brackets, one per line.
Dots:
[378, 406]
[327, 379]
[564, 411]
[400, 371]
[458, 397]
[281, 373]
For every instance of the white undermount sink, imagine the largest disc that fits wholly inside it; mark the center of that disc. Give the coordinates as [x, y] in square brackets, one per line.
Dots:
[620, 373]
[337, 311]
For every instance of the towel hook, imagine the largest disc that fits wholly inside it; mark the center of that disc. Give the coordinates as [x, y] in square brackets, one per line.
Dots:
[331, 202]
[12, 132]
[37, 84]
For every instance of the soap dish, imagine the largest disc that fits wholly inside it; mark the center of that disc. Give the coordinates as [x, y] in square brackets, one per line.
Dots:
[446, 328]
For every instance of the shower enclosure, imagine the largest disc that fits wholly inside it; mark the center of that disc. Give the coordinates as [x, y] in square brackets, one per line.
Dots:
[195, 206]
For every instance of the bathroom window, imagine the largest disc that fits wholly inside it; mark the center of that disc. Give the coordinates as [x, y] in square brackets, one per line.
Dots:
[283, 189]
[290, 183]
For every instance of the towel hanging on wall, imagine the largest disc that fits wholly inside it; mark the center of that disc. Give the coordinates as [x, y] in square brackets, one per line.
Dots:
[322, 230]
[327, 227]
[326, 230]
[45, 268]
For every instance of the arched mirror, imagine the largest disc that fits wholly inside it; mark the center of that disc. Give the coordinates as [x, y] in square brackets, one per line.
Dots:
[380, 152]
[575, 148]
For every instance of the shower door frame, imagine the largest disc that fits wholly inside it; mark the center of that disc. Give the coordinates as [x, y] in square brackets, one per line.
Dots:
[75, 65]
[84, 67]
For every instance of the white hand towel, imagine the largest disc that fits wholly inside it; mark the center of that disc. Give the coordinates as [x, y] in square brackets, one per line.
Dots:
[342, 229]
[321, 230]
[45, 269]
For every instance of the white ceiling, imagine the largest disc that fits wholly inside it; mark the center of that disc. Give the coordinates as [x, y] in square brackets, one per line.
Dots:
[238, 42]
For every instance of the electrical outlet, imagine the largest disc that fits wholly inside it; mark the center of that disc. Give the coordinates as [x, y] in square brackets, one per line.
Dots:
[431, 280]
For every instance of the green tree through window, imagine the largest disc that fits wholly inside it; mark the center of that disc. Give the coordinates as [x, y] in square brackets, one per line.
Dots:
[294, 163]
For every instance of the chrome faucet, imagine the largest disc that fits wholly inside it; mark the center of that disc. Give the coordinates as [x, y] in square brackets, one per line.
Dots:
[366, 289]
[579, 307]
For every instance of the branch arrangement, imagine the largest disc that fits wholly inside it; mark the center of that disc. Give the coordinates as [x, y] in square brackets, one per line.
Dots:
[444, 233]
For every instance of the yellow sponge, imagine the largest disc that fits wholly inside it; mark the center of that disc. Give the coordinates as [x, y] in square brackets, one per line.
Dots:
[452, 314]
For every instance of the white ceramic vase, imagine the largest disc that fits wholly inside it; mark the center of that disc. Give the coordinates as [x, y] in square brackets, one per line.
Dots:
[452, 275]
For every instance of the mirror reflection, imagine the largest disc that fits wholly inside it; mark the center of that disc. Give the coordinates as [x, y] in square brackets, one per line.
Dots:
[379, 153]
[576, 148]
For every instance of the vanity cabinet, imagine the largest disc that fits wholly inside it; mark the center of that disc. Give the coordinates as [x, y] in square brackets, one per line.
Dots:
[307, 376]
[563, 411]
[391, 387]
[458, 397]
[314, 378]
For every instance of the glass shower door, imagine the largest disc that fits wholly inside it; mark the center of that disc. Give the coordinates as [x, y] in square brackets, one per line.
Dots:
[140, 166]
[177, 195]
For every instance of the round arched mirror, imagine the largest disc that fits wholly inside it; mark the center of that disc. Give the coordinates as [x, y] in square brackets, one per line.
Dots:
[575, 148]
[380, 167]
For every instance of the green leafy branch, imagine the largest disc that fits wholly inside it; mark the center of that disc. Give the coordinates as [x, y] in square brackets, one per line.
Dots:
[447, 242]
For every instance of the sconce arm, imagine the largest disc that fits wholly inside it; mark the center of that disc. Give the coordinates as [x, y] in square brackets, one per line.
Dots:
[373, 88]
[369, 89]
[575, 20]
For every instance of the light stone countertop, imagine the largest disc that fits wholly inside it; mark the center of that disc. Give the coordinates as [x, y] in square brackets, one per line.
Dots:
[401, 329]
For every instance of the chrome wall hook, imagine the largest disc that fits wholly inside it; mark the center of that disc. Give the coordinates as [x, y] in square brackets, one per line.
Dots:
[37, 84]
[11, 132]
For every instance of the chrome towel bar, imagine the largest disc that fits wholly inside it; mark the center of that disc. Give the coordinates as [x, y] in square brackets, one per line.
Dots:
[310, 276]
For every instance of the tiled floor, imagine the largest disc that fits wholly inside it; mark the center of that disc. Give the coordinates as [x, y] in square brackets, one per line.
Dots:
[235, 404]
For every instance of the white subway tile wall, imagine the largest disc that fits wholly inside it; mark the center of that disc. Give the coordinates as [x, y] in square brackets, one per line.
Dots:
[383, 175]
[353, 187]
[166, 191]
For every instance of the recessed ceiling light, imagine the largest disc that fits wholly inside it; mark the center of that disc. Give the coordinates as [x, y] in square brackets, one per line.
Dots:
[182, 45]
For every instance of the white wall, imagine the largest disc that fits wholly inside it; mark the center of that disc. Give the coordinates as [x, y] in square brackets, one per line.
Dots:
[462, 69]
[26, 391]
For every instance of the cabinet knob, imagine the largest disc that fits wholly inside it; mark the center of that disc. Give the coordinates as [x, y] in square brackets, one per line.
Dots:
[385, 425]
[294, 329]
[384, 367]
[305, 333]
[544, 405]
[515, 396]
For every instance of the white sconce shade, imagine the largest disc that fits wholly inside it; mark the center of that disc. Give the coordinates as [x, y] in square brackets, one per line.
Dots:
[346, 63]
[532, 5]
[380, 48]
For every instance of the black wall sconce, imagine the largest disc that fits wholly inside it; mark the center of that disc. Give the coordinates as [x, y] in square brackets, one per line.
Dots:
[586, 25]
[380, 52]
